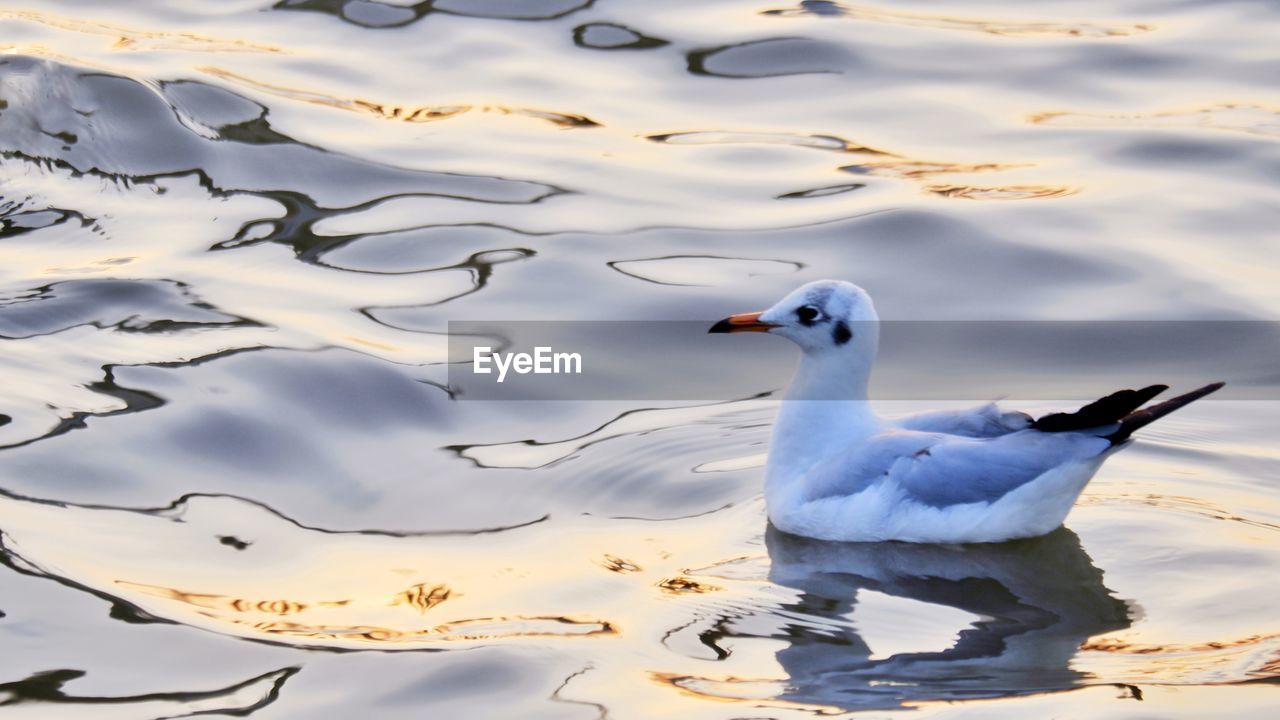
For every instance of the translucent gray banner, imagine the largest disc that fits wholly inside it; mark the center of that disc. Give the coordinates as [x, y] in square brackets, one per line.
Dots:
[918, 360]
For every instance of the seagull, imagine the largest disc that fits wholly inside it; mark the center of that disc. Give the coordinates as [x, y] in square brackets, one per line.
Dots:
[838, 471]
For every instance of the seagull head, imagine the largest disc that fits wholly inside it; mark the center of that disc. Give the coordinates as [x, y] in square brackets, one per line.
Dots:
[822, 317]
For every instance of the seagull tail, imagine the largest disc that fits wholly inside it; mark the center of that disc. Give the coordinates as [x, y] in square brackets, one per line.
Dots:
[1147, 415]
[1104, 411]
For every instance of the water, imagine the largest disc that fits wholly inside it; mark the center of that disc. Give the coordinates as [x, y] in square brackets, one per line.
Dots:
[234, 234]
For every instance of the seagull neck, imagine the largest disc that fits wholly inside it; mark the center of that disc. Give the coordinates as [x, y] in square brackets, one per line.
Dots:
[824, 411]
[831, 377]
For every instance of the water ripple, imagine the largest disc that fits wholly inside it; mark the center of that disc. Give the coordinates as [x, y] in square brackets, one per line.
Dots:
[1007, 28]
[130, 39]
[372, 14]
[612, 36]
[701, 270]
[42, 692]
[769, 58]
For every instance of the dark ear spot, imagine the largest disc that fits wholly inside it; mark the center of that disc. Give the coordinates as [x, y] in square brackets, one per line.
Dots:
[841, 333]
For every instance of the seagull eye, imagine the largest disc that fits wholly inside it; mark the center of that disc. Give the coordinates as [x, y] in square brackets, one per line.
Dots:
[807, 314]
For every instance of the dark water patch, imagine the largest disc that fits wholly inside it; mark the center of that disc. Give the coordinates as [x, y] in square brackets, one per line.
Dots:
[612, 36]
[293, 229]
[373, 15]
[133, 401]
[363, 13]
[126, 305]
[380, 15]
[512, 9]
[772, 57]
[825, 191]
[297, 229]
[43, 691]
[234, 542]
[821, 8]
[1185, 152]
[565, 120]
[16, 223]
[135, 133]
[221, 113]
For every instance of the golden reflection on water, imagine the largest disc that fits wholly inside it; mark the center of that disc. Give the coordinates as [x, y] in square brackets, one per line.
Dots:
[885, 163]
[1202, 507]
[897, 167]
[387, 638]
[682, 585]
[404, 113]
[922, 169]
[1000, 192]
[222, 602]
[753, 692]
[1237, 117]
[1116, 645]
[423, 597]
[399, 112]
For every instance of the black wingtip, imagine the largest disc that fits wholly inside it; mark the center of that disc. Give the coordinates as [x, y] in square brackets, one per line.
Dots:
[1148, 415]
[1100, 412]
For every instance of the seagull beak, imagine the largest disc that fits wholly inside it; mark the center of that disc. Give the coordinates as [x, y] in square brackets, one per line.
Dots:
[743, 322]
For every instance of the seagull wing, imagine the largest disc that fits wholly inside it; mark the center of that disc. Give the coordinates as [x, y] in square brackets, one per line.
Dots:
[957, 470]
[983, 421]
[941, 470]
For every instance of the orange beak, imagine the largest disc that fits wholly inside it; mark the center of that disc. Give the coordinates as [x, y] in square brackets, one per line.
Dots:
[743, 322]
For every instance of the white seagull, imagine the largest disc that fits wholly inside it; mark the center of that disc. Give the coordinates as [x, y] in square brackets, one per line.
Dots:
[838, 471]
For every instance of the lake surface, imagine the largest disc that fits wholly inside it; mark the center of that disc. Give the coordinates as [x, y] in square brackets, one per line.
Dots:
[235, 478]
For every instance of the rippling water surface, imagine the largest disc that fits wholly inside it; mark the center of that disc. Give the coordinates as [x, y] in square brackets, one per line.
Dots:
[234, 480]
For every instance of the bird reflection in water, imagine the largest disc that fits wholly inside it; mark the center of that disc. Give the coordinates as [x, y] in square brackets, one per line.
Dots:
[1038, 600]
